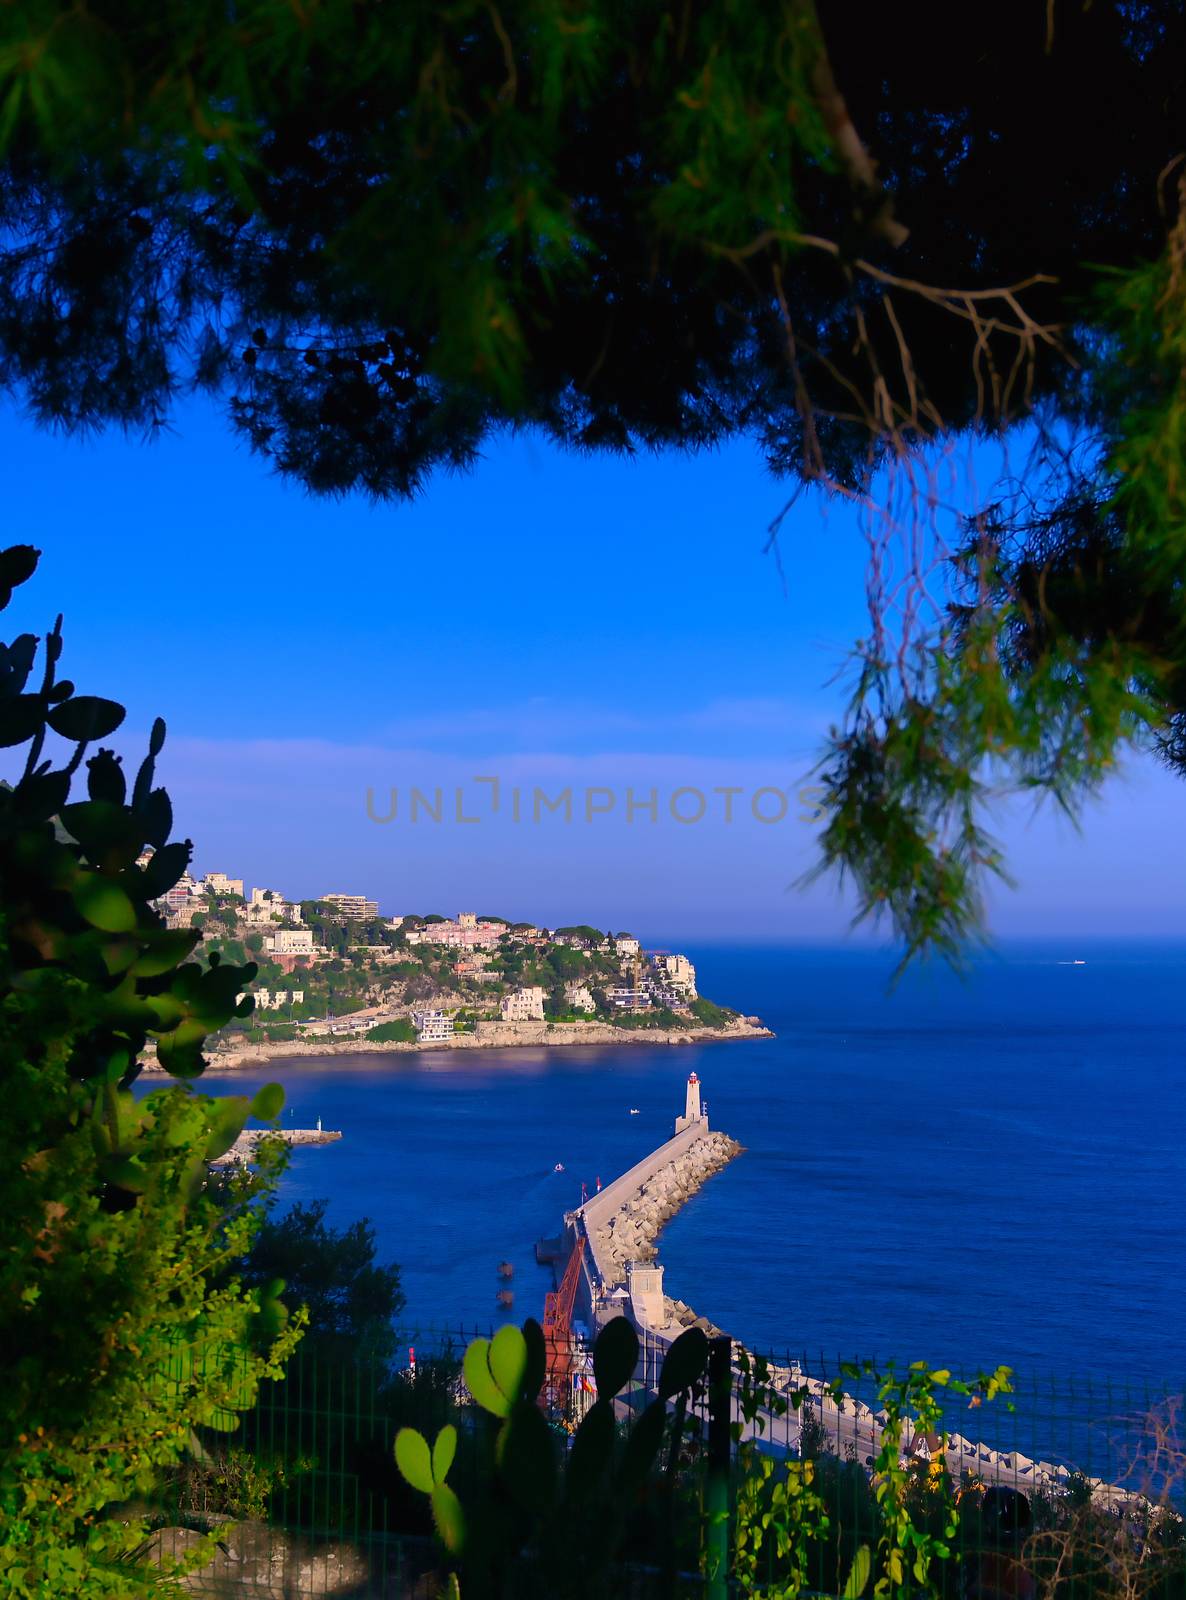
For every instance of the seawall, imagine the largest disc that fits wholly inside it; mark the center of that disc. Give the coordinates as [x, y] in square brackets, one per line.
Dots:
[243, 1149]
[489, 1036]
[623, 1222]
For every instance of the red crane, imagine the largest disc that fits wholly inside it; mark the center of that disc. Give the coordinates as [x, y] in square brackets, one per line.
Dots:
[558, 1304]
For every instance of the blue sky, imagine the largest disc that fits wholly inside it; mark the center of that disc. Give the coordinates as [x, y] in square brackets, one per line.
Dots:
[556, 621]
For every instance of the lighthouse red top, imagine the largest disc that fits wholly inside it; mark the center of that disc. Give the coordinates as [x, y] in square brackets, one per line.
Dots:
[693, 1112]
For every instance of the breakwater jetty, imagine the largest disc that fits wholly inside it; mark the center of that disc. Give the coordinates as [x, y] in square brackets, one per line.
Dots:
[621, 1223]
[626, 1236]
[613, 1238]
[242, 1151]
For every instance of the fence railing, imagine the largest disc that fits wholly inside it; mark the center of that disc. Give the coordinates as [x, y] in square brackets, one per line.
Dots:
[1063, 1488]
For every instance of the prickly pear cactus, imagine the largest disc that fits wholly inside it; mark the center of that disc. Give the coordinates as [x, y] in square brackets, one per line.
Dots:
[541, 1490]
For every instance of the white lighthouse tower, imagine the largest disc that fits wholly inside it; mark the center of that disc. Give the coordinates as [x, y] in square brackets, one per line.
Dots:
[693, 1115]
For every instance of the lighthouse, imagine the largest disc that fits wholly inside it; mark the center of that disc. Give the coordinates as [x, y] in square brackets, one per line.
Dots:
[693, 1115]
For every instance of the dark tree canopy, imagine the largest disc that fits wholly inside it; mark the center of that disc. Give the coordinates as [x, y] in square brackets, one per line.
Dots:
[850, 231]
[381, 235]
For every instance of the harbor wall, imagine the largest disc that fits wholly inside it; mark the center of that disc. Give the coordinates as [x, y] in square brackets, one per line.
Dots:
[621, 1223]
[600, 1207]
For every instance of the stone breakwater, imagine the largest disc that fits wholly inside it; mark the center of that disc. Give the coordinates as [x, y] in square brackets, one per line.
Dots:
[243, 1149]
[629, 1233]
[622, 1225]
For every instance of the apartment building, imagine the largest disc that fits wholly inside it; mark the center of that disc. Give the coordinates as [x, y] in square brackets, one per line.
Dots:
[354, 907]
[432, 1026]
[267, 904]
[523, 1005]
[290, 942]
[274, 1000]
[182, 916]
[467, 933]
[678, 973]
[219, 883]
[579, 997]
[629, 999]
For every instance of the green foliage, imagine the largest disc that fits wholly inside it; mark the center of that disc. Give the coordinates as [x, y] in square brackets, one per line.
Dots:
[120, 1330]
[542, 1504]
[1062, 651]
[810, 1524]
[399, 1031]
[779, 1513]
[712, 1016]
[227, 1480]
[650, 1017]
[908, 1548]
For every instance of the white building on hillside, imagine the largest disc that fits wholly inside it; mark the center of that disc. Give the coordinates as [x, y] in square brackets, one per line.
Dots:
[626, 944]
[678, 973]
[219, 883]
[579, 997]
[266, 905]
[432, 1026]
[355, 907]
[467, 933]
[290, 942]
[182, 915]
[629, 999]
[523, 1005]
[274, 1000]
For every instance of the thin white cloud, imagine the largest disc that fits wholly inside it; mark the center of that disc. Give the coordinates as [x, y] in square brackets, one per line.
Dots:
[543, 720]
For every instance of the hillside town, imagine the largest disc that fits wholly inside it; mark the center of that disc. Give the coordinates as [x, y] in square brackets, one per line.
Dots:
[335, 968]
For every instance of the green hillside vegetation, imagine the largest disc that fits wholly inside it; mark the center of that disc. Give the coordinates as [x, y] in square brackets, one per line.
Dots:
[373, 964]
[712, 1016]
[654, 1017]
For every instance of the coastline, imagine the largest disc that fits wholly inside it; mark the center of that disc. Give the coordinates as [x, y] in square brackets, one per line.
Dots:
[487, 1036]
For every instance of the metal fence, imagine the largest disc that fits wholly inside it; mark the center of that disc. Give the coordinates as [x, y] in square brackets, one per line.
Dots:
[1058, 1484]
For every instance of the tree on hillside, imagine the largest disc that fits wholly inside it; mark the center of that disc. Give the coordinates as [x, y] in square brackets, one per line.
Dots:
[380, 237]
[566, 963]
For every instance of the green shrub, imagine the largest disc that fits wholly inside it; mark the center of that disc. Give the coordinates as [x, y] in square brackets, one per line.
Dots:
[400, 1031]
[712, 1016]
[120, 1333]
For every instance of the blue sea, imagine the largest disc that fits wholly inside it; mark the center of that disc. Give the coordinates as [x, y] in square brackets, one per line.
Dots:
[963, 1170]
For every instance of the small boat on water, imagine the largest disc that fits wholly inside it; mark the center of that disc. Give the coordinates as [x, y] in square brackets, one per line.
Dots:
[505, 1269]
[633, 1111]
[559, 1167]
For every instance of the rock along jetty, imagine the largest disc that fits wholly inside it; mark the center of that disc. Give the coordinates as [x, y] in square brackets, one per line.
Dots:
[629, 1233]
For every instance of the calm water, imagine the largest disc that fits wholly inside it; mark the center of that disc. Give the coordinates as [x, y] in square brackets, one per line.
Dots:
[967, 1171]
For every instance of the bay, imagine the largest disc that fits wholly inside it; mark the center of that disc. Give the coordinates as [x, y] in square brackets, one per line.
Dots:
[966, 1171]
